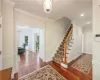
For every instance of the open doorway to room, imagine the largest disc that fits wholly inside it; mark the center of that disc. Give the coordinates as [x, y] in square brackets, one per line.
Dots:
[0, 45]
[36, 41]
[29, 44]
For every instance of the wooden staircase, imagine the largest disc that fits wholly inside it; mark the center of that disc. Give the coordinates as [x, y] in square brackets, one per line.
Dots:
[64, 49]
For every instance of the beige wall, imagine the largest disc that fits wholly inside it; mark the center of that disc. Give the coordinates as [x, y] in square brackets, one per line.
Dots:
[96, 44]
[87, 32]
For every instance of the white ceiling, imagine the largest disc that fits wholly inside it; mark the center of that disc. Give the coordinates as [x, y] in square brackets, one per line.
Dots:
[61, 8]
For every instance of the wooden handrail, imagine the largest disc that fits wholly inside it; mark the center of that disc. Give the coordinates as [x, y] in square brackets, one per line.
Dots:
[65, 46]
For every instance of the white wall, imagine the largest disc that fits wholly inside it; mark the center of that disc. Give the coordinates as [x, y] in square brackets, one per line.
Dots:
[55, 32]
[96, 44]
[87, 32]
[35, 32]
[77, 43]
[21, 33]
[42, 44]
[0, 43]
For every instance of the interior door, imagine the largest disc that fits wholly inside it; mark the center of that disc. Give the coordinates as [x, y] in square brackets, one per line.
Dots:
[0, 44]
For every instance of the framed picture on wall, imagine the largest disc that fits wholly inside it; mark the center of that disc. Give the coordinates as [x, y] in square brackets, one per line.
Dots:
[26, 40]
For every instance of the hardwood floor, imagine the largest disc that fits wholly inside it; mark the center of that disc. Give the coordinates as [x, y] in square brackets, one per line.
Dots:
[30, 62]
[64, 72]
[81, 75]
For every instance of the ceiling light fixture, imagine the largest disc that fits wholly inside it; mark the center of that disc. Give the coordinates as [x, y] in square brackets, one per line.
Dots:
[47, 5]
[82, 15]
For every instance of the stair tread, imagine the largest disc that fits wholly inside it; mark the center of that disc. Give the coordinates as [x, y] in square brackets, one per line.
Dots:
[57, 54]
[58, 57]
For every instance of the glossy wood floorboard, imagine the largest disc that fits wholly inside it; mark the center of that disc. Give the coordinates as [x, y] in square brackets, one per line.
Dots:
[64, 72]
[29, 62]
[34, 63]
[81, 75]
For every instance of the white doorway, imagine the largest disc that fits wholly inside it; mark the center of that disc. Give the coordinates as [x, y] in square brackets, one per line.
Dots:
[0, 44]
[36, 42]
[42, 45]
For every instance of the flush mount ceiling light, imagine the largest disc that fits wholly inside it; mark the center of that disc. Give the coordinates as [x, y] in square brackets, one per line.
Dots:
[47, 5]
[82, 15]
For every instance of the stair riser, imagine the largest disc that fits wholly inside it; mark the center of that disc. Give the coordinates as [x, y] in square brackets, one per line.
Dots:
[59, 55]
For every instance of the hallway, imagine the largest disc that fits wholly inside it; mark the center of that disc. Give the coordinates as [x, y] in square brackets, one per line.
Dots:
[31, 62]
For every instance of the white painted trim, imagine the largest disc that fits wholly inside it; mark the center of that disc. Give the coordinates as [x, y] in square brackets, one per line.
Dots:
[42, 58]
[30, 14]
[64, 65]
[82, 42]
[74, 58]
[0, 62]
[87, 53]
[12, 76]
[47, 60]
[95, 62]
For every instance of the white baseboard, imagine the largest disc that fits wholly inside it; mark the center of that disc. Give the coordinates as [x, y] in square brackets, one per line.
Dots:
[64, 65]
[48, 60]
[87, 53]
[74, 58]
[12, 75]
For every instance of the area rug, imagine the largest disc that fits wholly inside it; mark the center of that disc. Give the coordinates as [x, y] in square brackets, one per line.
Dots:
[84, 64]
[45, 73]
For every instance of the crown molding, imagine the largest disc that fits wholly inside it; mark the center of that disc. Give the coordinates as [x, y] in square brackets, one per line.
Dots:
[25, 12]
[32, 15]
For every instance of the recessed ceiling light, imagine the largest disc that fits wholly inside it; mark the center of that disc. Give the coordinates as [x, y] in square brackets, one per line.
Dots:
[82, 15]
[88, 23]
